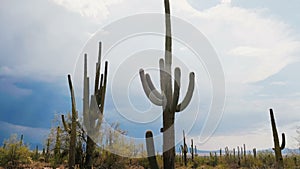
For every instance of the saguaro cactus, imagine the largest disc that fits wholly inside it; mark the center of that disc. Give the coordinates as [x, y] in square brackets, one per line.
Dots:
[21, 140]
[192, 149]
[93, 107]
[151, 150]
[72, 128]
[168, 98]
[277, 148]
[254, 152]
[184, 150]
[57, 156]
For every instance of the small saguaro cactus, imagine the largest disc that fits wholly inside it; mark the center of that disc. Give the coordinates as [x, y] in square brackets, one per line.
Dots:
[21, 140]
[254, 152]
[151, 150]
[244, 150]
[168, 97]
[192, 148]
[234, 153]
[277, 148]
[184, 150]
[57, 155]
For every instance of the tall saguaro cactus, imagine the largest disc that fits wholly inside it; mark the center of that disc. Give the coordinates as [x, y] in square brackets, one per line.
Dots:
[277, 148]
[93, 107]
[168, 97]
[72, 129]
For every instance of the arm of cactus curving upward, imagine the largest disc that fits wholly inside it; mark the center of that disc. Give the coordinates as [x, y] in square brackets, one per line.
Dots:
[152, 87]
[100, 91]
[148, 91]
[98, 67]
[282, 141]
[188, 95]
[97, 78]
[162, 74]
[176, 91]
[66, 126]
[151, 150]
[103, 88]
[74, 112]
[86, 94]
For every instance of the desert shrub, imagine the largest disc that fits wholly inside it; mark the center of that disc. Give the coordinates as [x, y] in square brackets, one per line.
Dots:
[14, 153]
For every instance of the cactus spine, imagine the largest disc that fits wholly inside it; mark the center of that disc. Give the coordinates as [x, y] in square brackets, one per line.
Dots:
[277, 148]
[168, 98]
[93, 109]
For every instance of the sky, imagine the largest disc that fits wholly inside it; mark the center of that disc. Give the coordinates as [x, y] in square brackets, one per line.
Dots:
[256, 42]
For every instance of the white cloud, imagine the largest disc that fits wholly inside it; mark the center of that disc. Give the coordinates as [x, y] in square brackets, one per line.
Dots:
[251, 45]
[89, 8]
[226, 1]
[30, 133]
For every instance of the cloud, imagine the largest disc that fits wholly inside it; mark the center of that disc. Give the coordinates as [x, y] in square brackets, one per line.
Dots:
[44, 43]
[89, 8]
[251, 45]
[32, 135]
[29, 102]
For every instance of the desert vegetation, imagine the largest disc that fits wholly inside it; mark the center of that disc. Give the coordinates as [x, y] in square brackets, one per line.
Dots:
[86, 143]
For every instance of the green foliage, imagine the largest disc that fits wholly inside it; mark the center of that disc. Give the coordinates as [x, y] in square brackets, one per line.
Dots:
[14, 153]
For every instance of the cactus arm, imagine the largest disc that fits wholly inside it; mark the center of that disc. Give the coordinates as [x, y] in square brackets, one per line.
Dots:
[98, 66]
[176, 89]
[97, 77]
[103, 88]
[66, 126]
[282, 142]
[148, 91]
[100, 91]
[72, 95]
[86, 101]
[152, 88]
[151, 150]
[100, 97]
[162, 81]
[188, 95]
